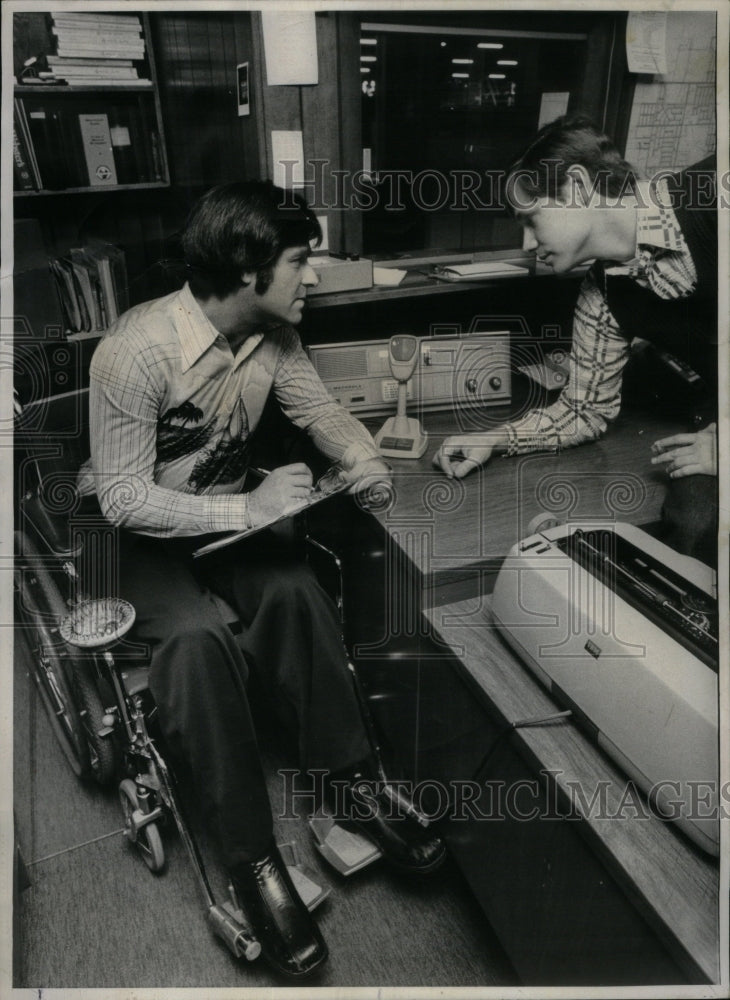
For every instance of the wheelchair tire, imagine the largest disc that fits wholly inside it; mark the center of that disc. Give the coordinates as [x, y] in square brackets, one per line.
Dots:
[147, 838]
[39, 609]
[102, 749]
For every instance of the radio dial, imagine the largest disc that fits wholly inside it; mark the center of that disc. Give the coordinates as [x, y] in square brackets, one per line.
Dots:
[495, 382]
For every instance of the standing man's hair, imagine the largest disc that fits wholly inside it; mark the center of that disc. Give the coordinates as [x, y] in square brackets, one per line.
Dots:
[243, 226]
[572, 139]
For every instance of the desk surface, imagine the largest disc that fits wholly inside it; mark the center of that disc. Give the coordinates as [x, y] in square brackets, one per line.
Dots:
[672, 883]
[448, 528]
[419, 280]
[453, 529]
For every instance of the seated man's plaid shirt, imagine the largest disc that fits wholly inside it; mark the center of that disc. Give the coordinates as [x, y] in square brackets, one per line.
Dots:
[171, 411]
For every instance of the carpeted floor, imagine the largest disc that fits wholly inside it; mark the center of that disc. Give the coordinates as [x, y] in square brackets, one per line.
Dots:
[93, 916]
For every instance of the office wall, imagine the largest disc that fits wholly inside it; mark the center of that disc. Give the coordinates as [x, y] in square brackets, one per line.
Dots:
[673, 115]
[197, 54]
[327, 114]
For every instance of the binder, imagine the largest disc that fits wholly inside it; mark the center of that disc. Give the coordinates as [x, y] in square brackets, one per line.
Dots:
[25, 141]
[49, 143]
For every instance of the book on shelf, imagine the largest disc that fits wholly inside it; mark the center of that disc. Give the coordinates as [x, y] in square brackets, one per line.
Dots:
[73, 304]
[91, 282]
[87, 275]
[100, 52]
[107, 41]
[79, 62]
[95, 74]
[106, 82]
[118, 68]
[86, 20]
[95, 17]
[97, 36]
[94, 33]
[97, 140]
[26, 152]
[23, 177]
[90, 142]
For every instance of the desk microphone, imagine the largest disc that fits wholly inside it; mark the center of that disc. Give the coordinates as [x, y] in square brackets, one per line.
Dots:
[402, 436]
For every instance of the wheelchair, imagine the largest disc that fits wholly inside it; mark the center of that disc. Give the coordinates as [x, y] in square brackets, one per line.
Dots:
[93, 681]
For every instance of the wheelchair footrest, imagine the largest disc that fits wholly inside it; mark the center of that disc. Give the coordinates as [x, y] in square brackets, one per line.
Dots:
[310, 891]
[346, 850]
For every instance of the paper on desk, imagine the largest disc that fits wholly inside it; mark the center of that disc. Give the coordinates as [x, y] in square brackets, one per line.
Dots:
[477, 271]
[388, 275]
[646, 41]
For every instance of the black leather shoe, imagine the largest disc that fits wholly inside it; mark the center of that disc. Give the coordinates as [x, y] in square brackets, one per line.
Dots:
[364, 804]
[290, 940]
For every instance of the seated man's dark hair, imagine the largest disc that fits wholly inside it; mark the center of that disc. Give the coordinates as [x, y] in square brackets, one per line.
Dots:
[243, 226]
[572, 139]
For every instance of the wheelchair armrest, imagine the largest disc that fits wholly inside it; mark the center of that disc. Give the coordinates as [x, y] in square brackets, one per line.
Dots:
[47, 527]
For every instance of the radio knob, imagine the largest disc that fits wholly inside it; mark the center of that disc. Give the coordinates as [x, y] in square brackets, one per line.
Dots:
[495, 382]
[471, 384]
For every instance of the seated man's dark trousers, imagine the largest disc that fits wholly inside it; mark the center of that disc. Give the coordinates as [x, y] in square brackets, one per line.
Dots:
[292, 641]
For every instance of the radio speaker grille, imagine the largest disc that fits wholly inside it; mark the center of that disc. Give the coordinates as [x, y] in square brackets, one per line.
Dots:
[352, 363]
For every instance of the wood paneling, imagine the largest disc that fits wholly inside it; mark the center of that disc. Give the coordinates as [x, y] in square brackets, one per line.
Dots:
[197, 54]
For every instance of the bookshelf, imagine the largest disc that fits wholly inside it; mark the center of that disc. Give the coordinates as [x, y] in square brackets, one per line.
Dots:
[87, 114]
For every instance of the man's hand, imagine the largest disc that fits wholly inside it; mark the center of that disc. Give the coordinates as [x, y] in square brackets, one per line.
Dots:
[463, 453]
[280, 493]
[371, 477]
[688, 454]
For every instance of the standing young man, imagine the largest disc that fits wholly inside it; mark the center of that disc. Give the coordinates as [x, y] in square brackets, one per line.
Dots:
[177, 387]
[654, 276]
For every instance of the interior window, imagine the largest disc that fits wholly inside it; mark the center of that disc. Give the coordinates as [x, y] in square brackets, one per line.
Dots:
[445, 108]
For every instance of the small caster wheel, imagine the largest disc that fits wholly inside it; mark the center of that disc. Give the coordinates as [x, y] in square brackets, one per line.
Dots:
[145, 836]
[541, 522]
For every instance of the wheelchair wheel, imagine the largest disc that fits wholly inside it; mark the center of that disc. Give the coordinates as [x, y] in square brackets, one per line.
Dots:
[146, 838]
[40, 608]
[101, 749]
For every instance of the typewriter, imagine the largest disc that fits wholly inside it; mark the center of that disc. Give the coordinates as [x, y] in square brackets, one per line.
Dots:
[624, 632]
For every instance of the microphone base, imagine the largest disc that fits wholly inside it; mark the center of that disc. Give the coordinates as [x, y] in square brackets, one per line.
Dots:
[401, 437]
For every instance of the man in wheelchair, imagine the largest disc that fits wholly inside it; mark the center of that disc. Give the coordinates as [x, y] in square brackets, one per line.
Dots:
[177, 386]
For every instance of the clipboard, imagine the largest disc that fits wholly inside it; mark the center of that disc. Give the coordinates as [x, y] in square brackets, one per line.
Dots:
[328, 485]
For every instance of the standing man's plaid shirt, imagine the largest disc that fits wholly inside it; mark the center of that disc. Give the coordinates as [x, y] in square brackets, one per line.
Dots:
[592, 397]
[171, 412]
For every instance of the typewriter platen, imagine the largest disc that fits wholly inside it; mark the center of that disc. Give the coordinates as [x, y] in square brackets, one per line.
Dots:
[624, 631]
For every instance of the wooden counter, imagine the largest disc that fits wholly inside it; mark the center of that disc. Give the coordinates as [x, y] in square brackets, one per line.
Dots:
[672, 885]
[577, 895]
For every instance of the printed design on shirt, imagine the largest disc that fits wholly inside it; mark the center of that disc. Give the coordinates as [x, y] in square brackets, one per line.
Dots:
[228, 459]
[179, 432]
